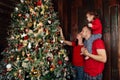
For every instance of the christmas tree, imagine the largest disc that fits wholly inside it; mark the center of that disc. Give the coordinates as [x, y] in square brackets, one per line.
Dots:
[35, 50]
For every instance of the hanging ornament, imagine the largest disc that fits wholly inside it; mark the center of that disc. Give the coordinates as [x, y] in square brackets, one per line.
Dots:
[16, 9]
[26, 37]
[26, 19]
[22, 1]
[15, 74]
[49, 21]
[29, 24]
[25, 42]
[29, 45]
[66, 58]
[39, 3]
[61, 41]
[52, 67]
[19, 15]
[18, 58]
[9, 67]
[12, 37]
[35, 72]
[59, 62]
[45, 16]
[23, 35]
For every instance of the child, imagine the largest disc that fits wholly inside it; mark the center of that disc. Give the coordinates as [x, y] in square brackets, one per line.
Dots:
[96, 26]
[77, 59]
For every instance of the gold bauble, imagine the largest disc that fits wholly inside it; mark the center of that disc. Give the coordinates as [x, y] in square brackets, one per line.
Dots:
[29, 24]
[35, 73]
[15, 74]
[45, 16]
[25, 43]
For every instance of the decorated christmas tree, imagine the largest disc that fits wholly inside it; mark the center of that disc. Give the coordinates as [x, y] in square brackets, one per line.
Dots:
[35, 50]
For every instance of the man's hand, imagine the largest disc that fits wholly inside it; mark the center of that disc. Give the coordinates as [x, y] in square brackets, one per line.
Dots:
[84, 51]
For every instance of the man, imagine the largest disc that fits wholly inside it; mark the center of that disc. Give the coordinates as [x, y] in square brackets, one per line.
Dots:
[95, 64]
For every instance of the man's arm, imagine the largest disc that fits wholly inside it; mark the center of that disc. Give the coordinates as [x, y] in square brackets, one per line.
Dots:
[101, 56]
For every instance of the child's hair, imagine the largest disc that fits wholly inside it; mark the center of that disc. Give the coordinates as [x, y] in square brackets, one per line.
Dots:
[92, 12]
[76, 42]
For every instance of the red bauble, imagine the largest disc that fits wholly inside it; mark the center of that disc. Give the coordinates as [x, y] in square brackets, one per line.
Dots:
[26, 37]
[39, 3]
[59, 62]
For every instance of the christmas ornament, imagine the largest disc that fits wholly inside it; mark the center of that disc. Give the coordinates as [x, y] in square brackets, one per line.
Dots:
[52, 67]
[18, 58]
[39, 3]
[66, 58]
[59, 62]
[49, 21]
[26, 37]
[19, 15]
[22, 1]
[35, 72]
[29, 24]
[61, 41]
[25, 42]
[16, 9]
[9, 67]
[29, 45]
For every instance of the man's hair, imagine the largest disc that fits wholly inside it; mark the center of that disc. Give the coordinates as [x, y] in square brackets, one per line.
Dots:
[89, 28]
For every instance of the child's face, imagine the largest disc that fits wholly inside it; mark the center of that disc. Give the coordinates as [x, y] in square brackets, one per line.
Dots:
[79, 36]
[89, 17]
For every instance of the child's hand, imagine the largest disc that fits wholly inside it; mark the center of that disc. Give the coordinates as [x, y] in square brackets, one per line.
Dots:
[89, 25]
